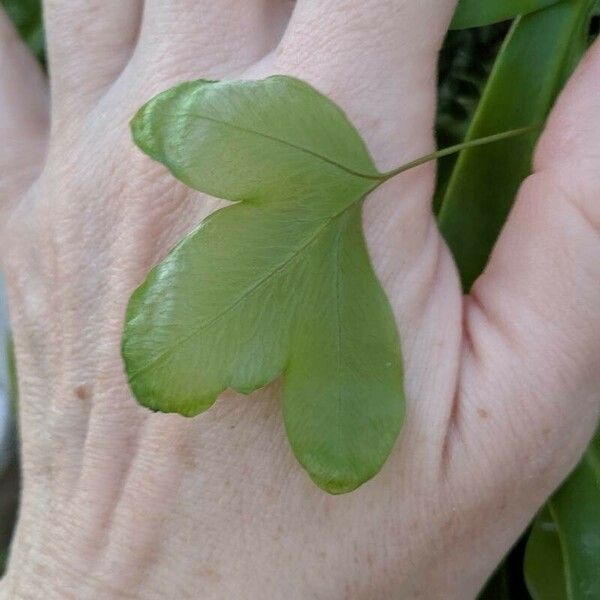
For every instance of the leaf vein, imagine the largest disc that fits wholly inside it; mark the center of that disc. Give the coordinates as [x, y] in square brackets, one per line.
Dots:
[249, 291]
[280, 141]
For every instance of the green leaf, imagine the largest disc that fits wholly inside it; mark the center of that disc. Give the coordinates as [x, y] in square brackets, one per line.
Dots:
[465, 64]
[563, 553]
[538, 56]
[279, 283]
[476, 13]
[544, 565]
[575, 509]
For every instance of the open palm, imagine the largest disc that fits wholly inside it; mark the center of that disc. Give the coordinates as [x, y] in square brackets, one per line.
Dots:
[502, 385]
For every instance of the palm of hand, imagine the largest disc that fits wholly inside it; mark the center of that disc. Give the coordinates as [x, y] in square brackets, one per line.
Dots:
[155, 505]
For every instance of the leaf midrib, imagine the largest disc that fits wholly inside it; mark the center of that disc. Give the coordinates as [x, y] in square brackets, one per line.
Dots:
[280, 141]
[248, 292]
[339, 340]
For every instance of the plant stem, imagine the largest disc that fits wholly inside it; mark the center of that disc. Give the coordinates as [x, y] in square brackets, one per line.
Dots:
[497, 137]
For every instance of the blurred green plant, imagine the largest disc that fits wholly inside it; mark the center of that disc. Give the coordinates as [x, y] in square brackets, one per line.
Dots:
[562, 560]
[466, 61]
[476, 13]
[538, 55]
[9, 476]
[27, 16]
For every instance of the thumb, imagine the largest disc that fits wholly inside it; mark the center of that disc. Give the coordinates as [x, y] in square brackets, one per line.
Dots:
[533, 362]
[23, 116]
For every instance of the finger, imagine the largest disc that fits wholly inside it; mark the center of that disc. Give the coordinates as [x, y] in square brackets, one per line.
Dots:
[23, 114]
[384, 52]
[89, 43]
[532, 375]
[378, 61]
[571, 142]
[183, 39]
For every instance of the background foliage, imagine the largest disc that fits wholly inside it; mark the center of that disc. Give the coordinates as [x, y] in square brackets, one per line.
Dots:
[560, 557]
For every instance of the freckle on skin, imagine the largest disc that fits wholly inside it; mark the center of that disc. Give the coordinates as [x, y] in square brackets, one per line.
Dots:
[209, 574]
[185, 455]
[484, 414]
[83, 391]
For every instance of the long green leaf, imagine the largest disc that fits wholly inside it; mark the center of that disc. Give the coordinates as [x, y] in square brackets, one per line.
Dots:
[465, 64]
[575, 509]
[563, 553]
[476, 13]
[544, 564]
[534, 63]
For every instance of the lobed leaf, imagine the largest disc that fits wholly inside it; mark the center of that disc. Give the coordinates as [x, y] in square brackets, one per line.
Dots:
[253, 141]
[279, 283]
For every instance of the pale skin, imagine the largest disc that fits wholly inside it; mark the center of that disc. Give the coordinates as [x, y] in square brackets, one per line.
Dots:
[503, 385]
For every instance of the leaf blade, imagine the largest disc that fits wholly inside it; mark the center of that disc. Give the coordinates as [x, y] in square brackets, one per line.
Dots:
[234, 301]
[477, 13]
[217, 137]
[235, 257]
[544, 565]
[563, 551]
[343, 400]
[575, 509]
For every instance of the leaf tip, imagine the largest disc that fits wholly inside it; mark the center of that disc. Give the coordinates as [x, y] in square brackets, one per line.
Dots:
[142, 131]
[160, 402]
[339, 485]
[136, 127]
[341, 479]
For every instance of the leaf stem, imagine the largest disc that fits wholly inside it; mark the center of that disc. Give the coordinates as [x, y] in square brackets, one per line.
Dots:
[497, 137]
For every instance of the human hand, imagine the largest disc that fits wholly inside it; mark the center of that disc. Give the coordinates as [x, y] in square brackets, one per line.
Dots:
[502, 385]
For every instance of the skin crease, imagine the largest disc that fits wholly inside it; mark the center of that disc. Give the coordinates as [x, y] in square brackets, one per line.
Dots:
[503, 386]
